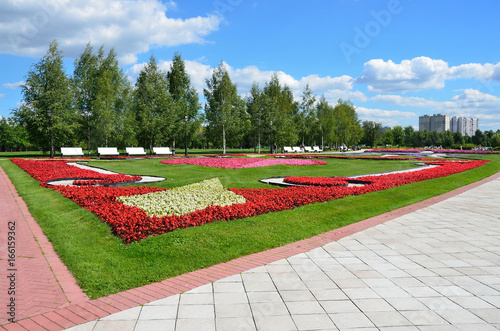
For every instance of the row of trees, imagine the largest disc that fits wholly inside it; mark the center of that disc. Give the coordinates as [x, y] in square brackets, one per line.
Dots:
[98, 106]
[407, 136]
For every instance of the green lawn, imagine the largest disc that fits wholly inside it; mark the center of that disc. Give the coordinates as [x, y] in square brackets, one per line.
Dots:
[103, 265]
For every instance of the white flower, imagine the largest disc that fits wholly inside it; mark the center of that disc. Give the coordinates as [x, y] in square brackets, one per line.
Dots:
[185, 199]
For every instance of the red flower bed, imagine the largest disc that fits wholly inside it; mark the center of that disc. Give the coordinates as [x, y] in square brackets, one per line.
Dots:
[317, 181]
[46, 170]
[132, 223]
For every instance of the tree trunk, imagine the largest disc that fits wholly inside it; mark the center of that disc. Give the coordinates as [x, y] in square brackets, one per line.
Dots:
[223, 139]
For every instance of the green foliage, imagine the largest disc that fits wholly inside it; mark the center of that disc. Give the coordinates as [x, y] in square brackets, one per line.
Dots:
[280, 110]
[225, 112]
[184, 102]
[48, 89]
[372, 133]
[102, 93]
[306, 118]
[152, 105]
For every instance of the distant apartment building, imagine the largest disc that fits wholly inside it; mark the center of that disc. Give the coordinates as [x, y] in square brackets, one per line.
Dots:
[439, 123]
[465, 125]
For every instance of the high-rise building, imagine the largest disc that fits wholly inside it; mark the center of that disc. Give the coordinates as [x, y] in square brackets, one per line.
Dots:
[439, 123]
[424, 123]
[467, 126]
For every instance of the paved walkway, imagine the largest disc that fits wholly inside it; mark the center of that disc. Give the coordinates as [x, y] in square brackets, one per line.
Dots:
[430, 266]
[39, 281]
[437, 268]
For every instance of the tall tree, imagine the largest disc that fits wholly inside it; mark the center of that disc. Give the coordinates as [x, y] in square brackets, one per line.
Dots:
[398, 135]
[326, 120]
[348, 126]
[281, 110]
[152, 105]
[224, 109]
[184, 100]
[102, 94]
[306, 117]
[85, 90]
[255, 109]
[408, 132]
[372, 132]
[48, 103]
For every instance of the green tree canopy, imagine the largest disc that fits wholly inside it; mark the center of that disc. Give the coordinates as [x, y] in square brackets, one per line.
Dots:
[47, 103]
[152, 105]
[184, 100]
[225, 112]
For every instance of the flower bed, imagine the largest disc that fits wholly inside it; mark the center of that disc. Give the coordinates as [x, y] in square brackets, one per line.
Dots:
[46, 170]
[238, 163]
[444, 151]
[184, 200]
[317, 181]
[131, 223]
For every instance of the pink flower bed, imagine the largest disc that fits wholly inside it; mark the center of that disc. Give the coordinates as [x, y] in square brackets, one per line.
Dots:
[242, 163]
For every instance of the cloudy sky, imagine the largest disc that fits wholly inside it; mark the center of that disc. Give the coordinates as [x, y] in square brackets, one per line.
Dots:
[394, 59]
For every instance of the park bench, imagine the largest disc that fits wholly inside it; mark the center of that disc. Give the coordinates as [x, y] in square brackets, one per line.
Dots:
[135, 151]
[71, 151]
[162, 151]
[107, 151]
[308, 149]
[317, 149]
[296, 149]
[287, 149]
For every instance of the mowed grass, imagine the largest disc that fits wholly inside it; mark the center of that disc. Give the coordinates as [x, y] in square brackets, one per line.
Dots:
[103, 265]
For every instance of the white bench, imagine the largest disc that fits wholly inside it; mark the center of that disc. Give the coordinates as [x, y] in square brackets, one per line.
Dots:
[107, 151]
[308, 149]
[71, 151]
[317, 149]
[296, 149]
[135, 151]
[162, 151]
[287, 149]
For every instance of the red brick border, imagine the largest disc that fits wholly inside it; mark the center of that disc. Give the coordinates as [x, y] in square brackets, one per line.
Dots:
[81, 312]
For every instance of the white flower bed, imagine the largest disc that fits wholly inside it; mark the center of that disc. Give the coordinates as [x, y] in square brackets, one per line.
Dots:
[185, 199]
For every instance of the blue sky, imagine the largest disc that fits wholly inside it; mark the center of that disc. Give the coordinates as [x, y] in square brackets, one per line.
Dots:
[394, 60]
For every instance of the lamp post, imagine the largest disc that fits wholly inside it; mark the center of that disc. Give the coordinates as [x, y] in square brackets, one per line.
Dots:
[186, 133]
[49, 113]
[271, 137]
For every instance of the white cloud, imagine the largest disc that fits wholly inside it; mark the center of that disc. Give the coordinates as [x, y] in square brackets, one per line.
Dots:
[131, 27]
[2, 96]
[469, 103]
[405, 101]
[420, 73]
[386, 117]
[487, 71]
[333, 95]
[13, 86]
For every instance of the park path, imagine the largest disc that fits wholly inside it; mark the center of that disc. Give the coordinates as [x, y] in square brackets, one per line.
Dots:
[40, 280]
